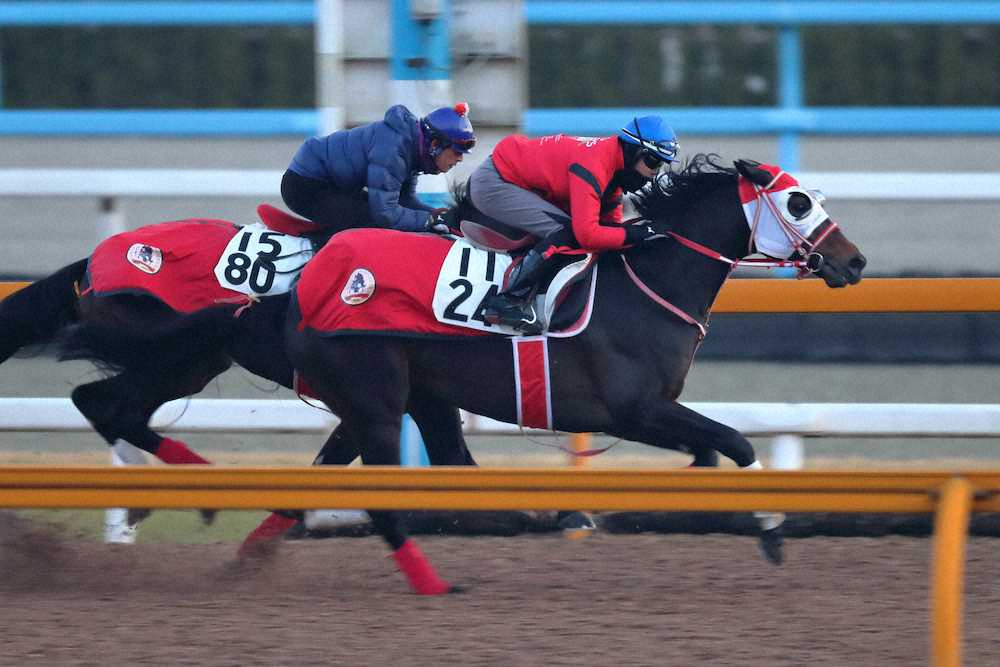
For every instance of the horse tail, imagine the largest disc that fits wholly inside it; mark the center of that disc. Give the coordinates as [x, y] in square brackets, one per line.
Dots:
[37, 312]
[153, 348]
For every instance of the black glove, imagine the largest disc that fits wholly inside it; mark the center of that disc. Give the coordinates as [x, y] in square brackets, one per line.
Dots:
[644, 231]
[442, 221]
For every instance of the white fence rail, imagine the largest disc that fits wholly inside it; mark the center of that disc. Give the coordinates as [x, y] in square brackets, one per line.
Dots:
[789, 422]
[265, 182]
[874, 420]
[110, 184]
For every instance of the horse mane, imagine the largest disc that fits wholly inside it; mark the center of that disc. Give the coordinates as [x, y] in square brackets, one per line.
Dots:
[672, 193]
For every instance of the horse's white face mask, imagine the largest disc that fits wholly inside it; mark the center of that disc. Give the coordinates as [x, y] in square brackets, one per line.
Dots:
[781, 214]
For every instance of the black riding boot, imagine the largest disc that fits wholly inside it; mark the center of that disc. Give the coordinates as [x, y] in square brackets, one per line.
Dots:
[514, 306]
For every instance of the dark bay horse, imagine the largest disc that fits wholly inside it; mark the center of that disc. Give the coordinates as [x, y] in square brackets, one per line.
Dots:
[621, 375]
[150, 276]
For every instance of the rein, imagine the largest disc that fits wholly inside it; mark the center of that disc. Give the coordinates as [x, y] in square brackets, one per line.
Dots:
[813, 260]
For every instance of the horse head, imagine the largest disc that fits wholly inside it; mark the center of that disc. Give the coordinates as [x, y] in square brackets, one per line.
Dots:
[789, 221]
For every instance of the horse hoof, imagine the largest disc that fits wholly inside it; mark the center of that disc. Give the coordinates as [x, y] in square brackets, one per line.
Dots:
[577, 521]
[772, 545]
[137, 515]
[207, 516]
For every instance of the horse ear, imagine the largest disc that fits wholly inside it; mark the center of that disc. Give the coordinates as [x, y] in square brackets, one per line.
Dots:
[751, 171]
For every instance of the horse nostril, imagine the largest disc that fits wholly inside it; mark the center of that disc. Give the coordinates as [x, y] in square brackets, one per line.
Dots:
[858, 263]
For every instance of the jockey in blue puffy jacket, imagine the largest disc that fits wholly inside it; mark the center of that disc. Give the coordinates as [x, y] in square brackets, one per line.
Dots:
[367, 176]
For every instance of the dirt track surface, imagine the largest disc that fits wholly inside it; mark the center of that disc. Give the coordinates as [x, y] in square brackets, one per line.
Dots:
[533, 600]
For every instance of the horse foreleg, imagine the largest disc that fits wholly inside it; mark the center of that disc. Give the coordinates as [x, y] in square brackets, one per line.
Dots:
[674, 426]
[381, 447]
[339, 449]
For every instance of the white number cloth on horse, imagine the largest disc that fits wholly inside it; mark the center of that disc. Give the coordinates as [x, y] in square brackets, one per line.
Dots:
[260, 262]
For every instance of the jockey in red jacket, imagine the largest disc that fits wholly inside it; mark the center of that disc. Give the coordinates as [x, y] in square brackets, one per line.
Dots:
[568, 192]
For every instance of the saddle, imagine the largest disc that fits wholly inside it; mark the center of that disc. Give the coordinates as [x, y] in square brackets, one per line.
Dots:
[485, 232]
[286, 223]
[562, 300]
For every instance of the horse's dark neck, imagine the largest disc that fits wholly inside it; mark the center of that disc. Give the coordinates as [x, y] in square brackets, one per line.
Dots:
[682, 276]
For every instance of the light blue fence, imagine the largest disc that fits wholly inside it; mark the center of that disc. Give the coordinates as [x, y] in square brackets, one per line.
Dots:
[788, 120]
[197, 122]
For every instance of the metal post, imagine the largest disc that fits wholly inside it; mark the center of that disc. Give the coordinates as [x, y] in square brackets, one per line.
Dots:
[116, 527]
[330, 87]
[579, 442]
[411, 446]
[111, 220]
[951, 529]
[420, 69]
[790, 96]
[787, 453]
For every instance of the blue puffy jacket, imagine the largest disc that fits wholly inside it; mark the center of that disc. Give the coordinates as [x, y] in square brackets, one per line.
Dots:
[382, 156]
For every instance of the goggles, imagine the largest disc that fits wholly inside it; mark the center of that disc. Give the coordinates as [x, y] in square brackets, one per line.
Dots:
[655, 155]
[460, 146]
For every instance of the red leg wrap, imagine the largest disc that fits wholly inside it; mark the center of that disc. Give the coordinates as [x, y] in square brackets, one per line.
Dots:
[419, 571]
[175, 451]
[271, 528]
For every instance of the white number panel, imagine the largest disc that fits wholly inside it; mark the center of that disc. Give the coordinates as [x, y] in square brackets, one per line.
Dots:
[262, 262]
[467, 277]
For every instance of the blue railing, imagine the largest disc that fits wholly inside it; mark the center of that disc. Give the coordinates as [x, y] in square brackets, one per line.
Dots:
[790, 118]
[197, 122]
[143, 12]
[759, 12]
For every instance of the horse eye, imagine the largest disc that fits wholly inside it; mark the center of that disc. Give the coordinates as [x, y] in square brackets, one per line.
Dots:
[799, 205]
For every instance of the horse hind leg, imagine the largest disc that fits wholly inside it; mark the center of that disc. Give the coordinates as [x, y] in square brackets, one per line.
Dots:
[120, 408]
[370, 398]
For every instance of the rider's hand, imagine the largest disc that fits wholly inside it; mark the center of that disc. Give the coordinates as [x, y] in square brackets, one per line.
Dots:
[644, 231]
[442, 221]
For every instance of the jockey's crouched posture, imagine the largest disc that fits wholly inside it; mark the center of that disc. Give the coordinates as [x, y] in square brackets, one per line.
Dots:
[367, 176]
[568, 192]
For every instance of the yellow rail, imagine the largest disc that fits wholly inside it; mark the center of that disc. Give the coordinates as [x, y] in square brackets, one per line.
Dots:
[494, 488]
[8, 288]
[902, 295]
[951, 495]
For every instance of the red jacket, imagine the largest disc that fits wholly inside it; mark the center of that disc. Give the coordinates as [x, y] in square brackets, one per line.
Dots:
[573, 173]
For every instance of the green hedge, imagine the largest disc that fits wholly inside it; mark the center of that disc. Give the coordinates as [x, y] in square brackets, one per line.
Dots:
[583, 66]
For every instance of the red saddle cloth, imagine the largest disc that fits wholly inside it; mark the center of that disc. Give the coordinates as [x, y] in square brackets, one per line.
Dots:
[173, 261]
[367, 280]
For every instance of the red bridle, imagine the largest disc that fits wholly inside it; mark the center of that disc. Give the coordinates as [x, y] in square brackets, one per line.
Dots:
[811, 262]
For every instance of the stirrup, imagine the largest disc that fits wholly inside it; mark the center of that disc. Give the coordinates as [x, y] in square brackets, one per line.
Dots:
[530, 324]
[520, 318]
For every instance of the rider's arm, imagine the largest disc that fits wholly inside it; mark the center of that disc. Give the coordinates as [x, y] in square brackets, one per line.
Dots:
[589, 175]
[391, 185]
[408, 195]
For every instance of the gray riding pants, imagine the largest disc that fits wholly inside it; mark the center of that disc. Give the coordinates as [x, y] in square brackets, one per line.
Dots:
[513, 205]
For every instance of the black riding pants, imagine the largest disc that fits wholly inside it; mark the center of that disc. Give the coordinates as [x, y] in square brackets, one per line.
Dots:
[324, 204]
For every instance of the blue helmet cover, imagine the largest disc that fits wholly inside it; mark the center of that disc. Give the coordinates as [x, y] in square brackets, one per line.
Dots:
[652, 135]
[451, 127]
